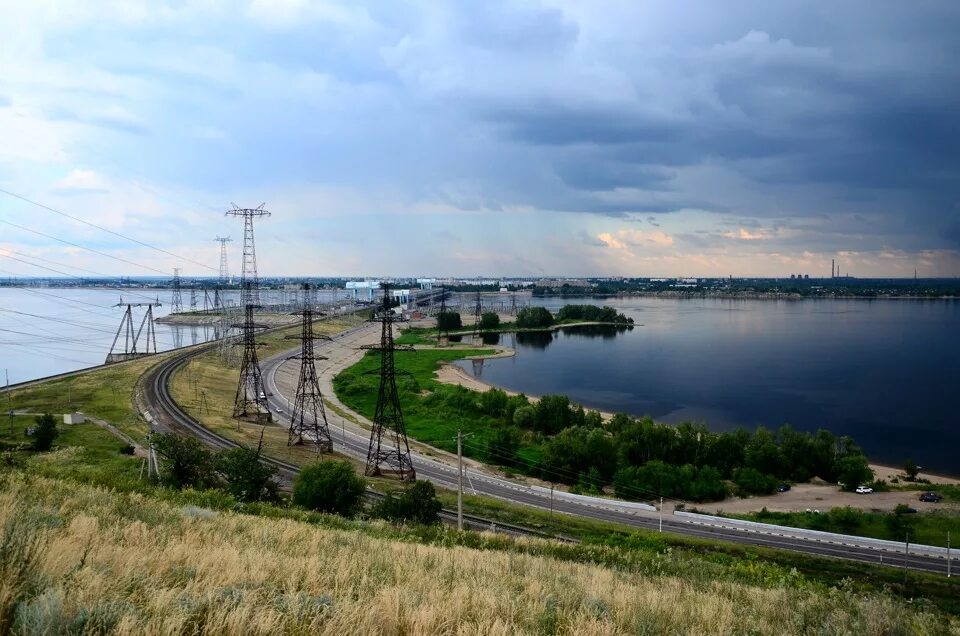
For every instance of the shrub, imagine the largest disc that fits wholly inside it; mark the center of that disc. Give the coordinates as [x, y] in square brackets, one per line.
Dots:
[44, 432]
[845, 518]
[524, 417]
[853, 470]
[330, 486]
[448, 320]
[128, 449]
[751, 481]
[489, 320]
[911, 469]
[188, 463]
[534, 317]
[417, 504]
[245, 476]
[502, 446]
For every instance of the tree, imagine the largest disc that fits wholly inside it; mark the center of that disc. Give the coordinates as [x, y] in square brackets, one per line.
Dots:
[751, 481]
[417, 504]
[188, 463]
[763, 453]
[853, 470]
[247, 477]
[44, 432]
[576, 450]
[493, 402]
[489, 320]
[502, 446]
[553, 414]
[448, 320]
[330, 486]
[524, 417]
[534, 317]
[910, 467]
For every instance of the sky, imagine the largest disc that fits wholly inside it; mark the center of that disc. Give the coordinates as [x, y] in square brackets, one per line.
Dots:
[581, 138]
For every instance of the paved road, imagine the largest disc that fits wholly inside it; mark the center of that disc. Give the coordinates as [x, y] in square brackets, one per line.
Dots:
[281, 374]
[352, 439]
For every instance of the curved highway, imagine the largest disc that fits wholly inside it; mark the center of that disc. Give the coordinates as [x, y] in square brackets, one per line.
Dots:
[351, 439]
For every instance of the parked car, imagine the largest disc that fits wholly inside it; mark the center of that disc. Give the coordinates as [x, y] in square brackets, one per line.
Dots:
[863, 490]
[783, 487]
[930, 497]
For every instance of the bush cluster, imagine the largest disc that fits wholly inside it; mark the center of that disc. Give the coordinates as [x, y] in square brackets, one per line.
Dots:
[593, 313]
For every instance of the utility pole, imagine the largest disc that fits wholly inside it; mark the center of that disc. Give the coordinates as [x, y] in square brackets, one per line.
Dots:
[551, 501]
[906, 555]
[661, 514]
[249, 282]
[460, 437]
[443, 311]
[948, 549]
[459, 479]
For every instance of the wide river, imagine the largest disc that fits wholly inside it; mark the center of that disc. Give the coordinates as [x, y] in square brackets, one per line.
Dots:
[886, 372]
[45, 331]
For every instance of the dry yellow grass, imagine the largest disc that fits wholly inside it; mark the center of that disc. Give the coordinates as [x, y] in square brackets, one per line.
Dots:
[207, 372]
[133, 565]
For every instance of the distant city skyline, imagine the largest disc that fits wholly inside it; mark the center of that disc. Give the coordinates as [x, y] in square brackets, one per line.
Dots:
[528, 139]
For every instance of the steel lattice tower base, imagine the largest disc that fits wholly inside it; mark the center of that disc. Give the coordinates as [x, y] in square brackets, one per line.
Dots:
[308, 422]
[251, 398]
[389, 450]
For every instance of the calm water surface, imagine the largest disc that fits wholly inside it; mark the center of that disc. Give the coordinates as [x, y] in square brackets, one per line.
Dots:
[45, 331]
[886, 372]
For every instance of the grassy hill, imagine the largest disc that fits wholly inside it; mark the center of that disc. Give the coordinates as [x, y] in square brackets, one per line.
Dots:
[82, 559]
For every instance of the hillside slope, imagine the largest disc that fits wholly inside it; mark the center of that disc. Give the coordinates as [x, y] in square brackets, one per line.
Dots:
[78, 558]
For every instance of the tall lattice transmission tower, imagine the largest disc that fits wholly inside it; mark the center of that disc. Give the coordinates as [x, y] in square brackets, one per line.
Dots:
[441, 317]
[389, 450]
[224, 270]
[176, 302]
[251, 397]
[477, 313]
[308, 422]
[249, 282]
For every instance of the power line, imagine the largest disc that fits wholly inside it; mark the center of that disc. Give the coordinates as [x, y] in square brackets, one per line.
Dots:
[83, 247]
[103, 229]
[62, 273]
[47, 260]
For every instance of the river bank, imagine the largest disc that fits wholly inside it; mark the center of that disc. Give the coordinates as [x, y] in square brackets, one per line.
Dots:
[798, 499]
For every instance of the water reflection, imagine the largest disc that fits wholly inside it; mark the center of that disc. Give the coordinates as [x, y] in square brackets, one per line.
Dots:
[607, 332]
[490, 338]
[535, 339]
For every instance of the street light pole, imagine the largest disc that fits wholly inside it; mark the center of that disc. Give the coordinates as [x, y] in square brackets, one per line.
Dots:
[661, 514]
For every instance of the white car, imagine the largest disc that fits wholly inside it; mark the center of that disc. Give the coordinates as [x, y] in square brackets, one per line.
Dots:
[864, 490]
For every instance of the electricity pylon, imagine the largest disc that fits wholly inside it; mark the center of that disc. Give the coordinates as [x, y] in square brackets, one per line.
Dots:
[390, 456]
[308, 421]
[249, 282]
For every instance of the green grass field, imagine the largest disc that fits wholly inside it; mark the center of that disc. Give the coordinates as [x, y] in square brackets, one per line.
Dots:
[106, 393]
[433, 411]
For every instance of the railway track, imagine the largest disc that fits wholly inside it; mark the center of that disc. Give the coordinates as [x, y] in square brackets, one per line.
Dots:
[169, 415]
